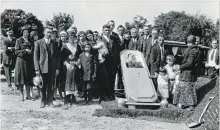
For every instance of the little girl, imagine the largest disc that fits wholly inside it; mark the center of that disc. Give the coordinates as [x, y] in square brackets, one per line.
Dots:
[162, 80]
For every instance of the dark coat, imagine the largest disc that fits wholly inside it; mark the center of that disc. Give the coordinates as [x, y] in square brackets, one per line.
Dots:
[154, 58]
[8, 54]
[89, 66]
[135, 45]
[188, 71]
[42, 61]
[144, 44]
[24, 63]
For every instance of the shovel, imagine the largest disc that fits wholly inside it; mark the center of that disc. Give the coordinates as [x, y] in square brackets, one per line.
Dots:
[194, 124]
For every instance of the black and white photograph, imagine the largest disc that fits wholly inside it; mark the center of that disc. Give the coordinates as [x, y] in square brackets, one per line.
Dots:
[109, 65]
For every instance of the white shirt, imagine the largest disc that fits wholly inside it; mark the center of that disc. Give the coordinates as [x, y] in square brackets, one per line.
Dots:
[134, 39]
[146, 37]
[162, 51]
[170, 72]
[211, 62]
[106, 38]
[47, 40]
[120, 37]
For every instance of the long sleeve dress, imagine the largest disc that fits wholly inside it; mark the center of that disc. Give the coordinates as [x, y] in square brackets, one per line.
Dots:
[24, 63]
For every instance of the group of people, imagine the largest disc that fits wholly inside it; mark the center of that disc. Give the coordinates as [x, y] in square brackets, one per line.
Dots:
[85, 64]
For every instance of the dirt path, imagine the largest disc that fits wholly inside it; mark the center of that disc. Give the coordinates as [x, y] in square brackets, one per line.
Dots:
[17, 115]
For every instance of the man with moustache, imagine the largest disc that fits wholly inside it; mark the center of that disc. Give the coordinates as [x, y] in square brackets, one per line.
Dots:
[46, 62]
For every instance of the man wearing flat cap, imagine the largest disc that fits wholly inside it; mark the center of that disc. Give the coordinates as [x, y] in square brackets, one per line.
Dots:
[46, 59]
[9, 58]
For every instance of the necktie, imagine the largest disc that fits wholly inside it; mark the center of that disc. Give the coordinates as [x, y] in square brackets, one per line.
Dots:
[212, 56]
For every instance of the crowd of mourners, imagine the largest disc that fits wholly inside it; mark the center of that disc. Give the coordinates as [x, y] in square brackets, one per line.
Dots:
[84, 64]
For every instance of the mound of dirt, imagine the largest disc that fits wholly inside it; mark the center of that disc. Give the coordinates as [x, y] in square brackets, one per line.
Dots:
[210, 117]
[205, 88]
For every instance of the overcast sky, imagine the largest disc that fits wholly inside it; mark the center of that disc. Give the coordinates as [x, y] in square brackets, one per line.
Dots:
[92, 14]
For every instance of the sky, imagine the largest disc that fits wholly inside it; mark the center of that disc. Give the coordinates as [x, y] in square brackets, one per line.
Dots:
[93, 14]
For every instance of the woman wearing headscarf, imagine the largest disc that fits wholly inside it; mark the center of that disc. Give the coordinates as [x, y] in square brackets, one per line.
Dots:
[185, 95]
[70, 53]
[23, 67]
[100, 50]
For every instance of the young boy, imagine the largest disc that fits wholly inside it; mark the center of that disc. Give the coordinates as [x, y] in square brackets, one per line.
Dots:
[88, 62]
[170, 72]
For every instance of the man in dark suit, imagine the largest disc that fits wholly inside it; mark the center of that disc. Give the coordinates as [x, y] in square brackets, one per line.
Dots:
[145, 40]
[134, 43]
[163, 51]
[153, 56]
[112, 60]
[46, 62]
[9, 58]
[213, 59]
[121, 31]
[200, 58]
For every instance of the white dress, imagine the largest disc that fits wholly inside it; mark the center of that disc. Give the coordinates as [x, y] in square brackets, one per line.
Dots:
[163, 89]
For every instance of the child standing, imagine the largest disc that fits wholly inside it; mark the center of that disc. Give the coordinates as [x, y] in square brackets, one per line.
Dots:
[88, 62]
[170, 72]
[176, 69]
[162, 82]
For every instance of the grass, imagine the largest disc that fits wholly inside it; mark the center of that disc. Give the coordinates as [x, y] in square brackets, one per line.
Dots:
[205, 88]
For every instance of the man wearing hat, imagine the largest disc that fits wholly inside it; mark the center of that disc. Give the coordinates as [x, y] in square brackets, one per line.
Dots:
[8, 59]
[46, 59]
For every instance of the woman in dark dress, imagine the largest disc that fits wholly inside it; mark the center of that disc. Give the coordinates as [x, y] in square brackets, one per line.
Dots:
[24, 66]
[100, 50]
[185, 94]
[70, 53]
[61, 78]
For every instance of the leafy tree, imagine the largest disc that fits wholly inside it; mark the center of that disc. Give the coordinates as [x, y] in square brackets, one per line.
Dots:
[17, 19]
[61, 21]
[137, 22]
[178, 25]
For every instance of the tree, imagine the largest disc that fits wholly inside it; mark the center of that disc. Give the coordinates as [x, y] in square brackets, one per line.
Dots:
[178, 25]
[61, 21]
[137, 22]
[17, 19]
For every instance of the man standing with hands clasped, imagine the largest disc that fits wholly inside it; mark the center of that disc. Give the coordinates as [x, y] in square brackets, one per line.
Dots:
[46, 59]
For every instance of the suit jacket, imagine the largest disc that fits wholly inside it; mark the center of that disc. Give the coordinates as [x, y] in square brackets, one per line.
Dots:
[89, 65]
[8, 54]
[42, 59]
[135, 45]
[154, 58]
[144, 44]
[188, 71]
[216, 57]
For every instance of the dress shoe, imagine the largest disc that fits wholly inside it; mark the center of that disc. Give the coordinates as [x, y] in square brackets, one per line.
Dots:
[42, 105]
